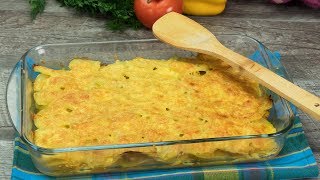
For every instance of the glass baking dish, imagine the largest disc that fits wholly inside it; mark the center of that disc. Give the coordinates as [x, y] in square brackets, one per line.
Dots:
[98, 159]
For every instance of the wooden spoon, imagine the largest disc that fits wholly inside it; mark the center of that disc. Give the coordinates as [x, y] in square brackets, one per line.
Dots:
[184, 33]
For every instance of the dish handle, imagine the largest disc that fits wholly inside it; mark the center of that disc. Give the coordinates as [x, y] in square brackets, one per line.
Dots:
[13, 97]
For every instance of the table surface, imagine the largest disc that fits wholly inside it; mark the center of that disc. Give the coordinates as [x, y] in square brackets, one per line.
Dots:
[293, 30]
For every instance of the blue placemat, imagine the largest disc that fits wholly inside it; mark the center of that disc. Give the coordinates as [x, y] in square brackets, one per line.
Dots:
[296, 160]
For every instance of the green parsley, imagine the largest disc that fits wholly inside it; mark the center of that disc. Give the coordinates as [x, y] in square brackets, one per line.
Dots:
[120, 14]
[37, 6]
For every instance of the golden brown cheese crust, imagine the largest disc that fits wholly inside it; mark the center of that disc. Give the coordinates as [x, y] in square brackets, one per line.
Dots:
[144, 100]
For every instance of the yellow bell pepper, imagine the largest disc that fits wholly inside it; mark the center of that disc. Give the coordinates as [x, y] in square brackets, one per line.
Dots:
[203, 7]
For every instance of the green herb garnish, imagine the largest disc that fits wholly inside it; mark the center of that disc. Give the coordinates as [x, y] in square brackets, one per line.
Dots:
[37, 7]
[120, 14]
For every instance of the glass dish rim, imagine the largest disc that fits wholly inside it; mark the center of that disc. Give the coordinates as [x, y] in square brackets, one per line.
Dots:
[147, 144]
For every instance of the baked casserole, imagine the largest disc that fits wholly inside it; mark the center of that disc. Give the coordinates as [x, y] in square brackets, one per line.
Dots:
[144, 100]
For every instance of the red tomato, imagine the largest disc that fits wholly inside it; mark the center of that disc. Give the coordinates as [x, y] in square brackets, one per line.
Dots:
[149, 11]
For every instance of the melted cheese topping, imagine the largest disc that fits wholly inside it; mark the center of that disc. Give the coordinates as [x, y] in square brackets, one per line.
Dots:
[144, 100]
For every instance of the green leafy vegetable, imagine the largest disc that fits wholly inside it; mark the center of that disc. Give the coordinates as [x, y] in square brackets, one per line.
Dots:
[120, 12]
[37, 6]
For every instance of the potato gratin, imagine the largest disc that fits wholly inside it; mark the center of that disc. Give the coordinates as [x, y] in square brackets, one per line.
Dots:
[145, 100]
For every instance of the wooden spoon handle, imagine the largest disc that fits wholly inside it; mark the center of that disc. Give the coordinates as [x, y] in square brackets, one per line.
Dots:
[299, 97]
